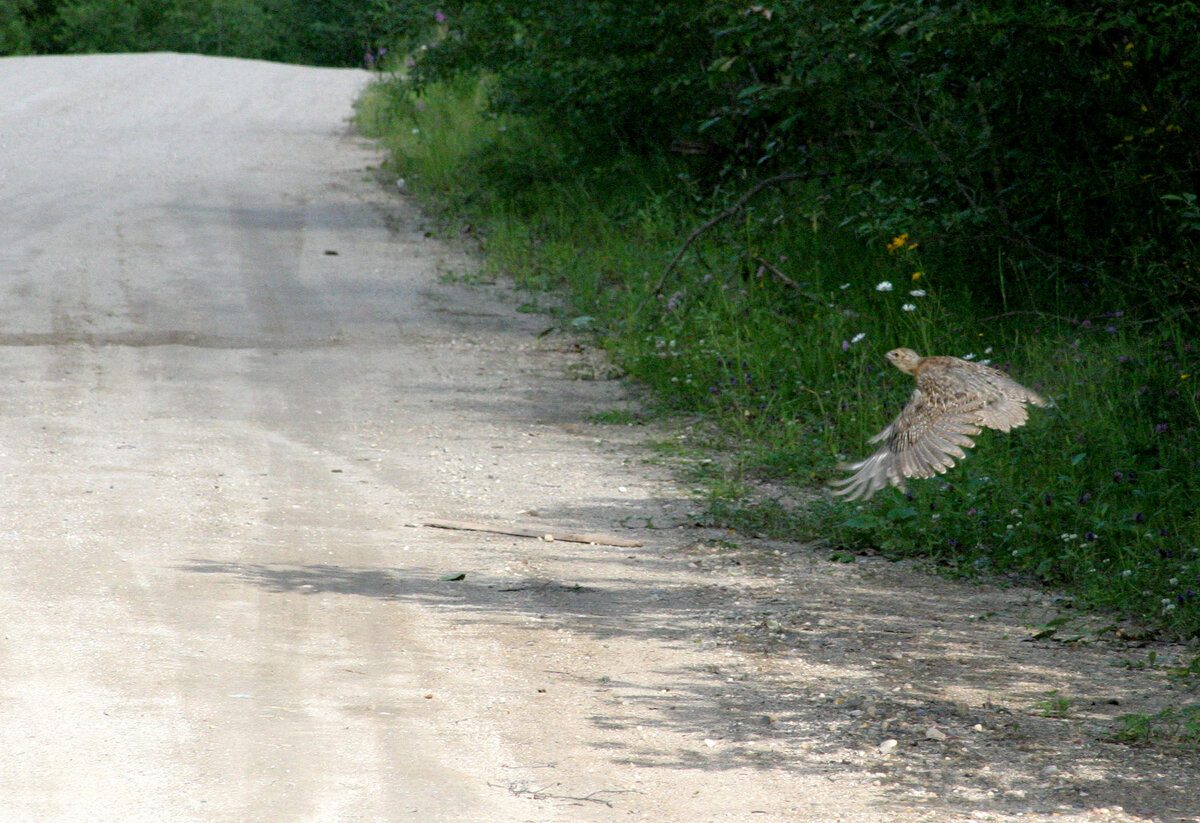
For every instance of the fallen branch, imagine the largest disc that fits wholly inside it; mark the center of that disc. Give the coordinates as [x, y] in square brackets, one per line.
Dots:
[712, 221]
[523, 790]
[783, 278]
[525, 531]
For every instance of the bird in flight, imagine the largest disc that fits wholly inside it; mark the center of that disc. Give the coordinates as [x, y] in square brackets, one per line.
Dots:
[953, 401]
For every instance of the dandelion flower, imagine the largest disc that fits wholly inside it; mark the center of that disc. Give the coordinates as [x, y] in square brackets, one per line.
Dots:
[908, 307]
[916, 275]
[898, 242]
[886, 285]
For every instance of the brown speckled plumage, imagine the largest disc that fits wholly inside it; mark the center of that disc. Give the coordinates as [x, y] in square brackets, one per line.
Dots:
[954, 399]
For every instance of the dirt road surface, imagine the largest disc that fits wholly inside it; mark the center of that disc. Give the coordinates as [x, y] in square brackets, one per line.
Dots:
[235, 376]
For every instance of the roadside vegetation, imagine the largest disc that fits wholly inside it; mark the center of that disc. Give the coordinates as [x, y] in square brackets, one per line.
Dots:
[317, 32]
[749, 205]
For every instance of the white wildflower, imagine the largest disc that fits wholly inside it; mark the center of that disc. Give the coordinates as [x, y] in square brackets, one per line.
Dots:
[908, 307]
[856, 338]
[844, 286]
[970, 356]
[917, 293]
[886, 285]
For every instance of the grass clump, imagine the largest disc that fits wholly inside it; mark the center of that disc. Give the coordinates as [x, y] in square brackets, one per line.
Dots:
[772, 329]
[1173, 724]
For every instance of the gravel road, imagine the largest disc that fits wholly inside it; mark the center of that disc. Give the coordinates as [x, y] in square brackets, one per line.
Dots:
[238, 372]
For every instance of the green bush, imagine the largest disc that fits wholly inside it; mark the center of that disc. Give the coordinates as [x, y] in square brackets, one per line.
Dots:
[323, 32]
[1042, 146]
[15, 37]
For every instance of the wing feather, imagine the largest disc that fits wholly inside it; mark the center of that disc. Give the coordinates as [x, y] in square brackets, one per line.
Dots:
[954, 400]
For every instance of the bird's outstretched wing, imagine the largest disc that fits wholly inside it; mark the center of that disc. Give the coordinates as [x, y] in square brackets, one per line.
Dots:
[953, 401]
[923, 441]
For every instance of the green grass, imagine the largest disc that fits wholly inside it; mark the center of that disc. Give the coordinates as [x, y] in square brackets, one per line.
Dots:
[1174, 724]
[772, 331]
[1055, 705]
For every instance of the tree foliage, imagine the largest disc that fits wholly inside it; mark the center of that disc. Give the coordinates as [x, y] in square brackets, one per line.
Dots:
[1049, 145]
[322, 32]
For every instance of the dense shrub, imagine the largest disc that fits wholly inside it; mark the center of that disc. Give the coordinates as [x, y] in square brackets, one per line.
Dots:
[1044, 145]
[323, 32]
[15, 37]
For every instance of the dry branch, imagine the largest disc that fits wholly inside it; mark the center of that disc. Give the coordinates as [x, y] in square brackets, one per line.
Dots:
[712, 221]
[527, 531]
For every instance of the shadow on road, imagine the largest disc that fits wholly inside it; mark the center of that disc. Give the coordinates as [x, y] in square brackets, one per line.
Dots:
[830, 662]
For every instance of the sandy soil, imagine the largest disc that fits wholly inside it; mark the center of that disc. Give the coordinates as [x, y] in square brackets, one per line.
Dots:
[237, 375]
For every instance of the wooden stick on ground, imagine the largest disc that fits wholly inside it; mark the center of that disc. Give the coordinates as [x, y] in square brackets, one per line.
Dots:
[526, 531]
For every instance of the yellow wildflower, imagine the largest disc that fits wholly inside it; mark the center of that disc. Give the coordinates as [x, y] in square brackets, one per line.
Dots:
[898, 242]
[916, 275]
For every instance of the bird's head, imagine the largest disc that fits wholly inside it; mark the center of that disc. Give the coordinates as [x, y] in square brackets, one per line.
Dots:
[906, 360]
